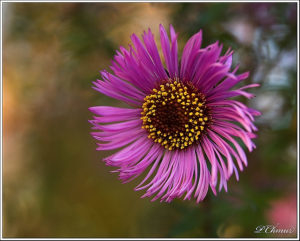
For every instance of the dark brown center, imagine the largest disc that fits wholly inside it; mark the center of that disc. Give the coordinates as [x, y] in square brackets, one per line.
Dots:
[175, 114]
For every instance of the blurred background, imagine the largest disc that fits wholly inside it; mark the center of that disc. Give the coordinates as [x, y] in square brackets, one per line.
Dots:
[54, 182]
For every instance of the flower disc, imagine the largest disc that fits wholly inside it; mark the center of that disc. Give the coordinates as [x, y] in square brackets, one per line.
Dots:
[175, 114]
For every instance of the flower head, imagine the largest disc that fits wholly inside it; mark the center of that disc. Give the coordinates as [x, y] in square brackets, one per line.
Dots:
[182, 127]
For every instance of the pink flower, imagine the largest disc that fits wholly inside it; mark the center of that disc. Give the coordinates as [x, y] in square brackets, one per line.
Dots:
[182, 123]
[283, 212]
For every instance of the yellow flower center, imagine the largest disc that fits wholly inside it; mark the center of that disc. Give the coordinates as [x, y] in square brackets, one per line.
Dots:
[175, 114]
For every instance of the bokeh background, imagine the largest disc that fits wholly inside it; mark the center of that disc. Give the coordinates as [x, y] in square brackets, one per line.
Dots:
[54, 182]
